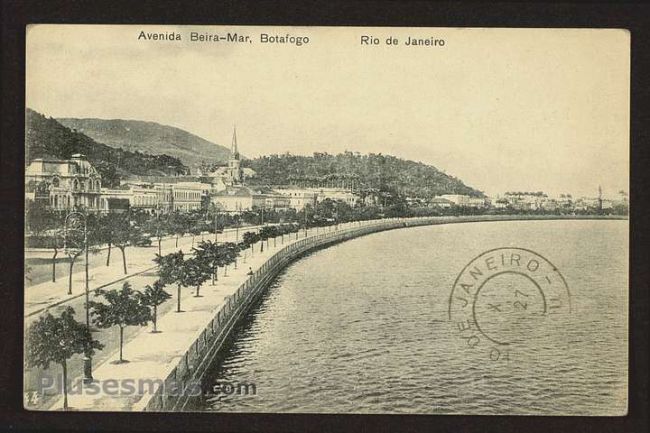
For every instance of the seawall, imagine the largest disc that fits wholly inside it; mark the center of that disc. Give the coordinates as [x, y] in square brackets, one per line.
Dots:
[196, 361]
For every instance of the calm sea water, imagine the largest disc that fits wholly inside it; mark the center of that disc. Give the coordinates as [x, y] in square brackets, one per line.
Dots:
[362, 327]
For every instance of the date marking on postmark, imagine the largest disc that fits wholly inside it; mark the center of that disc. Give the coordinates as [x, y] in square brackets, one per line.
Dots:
[503, 296]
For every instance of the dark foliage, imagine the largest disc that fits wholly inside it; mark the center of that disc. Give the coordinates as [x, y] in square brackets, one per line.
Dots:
[47, 138]
[372, 174]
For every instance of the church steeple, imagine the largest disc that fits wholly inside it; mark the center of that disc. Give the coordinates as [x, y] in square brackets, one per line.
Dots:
[234, 153]
[235, 173]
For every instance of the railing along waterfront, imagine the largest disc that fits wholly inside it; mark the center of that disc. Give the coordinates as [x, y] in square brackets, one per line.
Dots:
[197, 359]
[171, 393]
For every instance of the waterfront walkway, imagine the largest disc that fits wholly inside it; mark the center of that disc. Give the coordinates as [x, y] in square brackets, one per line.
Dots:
[47, 294]
[153, 356]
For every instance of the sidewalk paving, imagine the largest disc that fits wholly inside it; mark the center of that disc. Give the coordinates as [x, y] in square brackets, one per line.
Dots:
[40, 296]
[54, 296]
[152, 356]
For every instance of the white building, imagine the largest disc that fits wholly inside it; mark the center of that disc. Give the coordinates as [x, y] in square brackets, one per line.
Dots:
[64, 184]
[590, 203]
[464, 200]
[335, 194]
[188, 196]
[144, 197]
[233, 199]
[147, 197]
[298, 197]
[115, 199]
[276, 202]
[441, 203]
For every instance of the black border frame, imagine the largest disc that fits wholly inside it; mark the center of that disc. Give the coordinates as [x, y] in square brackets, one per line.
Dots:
[17, 13]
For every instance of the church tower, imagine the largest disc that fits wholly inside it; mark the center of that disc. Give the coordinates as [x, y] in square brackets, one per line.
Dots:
[234, 164]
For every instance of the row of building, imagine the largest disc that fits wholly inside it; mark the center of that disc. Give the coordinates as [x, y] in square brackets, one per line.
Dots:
[540, 201]
[75, 183]
[525, 202]
[458, 200]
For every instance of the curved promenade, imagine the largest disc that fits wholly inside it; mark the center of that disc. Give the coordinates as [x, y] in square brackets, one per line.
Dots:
[166, 368]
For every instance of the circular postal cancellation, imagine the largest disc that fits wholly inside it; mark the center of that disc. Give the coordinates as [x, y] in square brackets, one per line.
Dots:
[505, 296]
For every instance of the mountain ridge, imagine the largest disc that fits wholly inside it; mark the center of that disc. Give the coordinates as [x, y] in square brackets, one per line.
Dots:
[150, 137]
[376, 173]
[45, 137]
[121, 147]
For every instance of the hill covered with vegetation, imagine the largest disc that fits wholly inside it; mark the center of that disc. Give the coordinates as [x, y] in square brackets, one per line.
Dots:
[368, 174]
[152, 138]
[47, 138]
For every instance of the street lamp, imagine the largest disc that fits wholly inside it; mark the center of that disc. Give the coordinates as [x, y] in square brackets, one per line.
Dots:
[305, 209]
[75, 222]
[214, 221]
[216, 225]
[237, 228]
[158, 232]
[236, 223]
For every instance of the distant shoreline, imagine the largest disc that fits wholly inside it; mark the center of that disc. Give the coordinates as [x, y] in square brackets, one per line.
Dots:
[490, 218]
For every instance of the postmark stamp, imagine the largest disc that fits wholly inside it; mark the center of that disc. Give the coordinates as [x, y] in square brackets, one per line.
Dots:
[504, 296]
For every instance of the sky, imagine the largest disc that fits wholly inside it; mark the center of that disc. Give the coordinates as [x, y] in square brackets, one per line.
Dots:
[501, 109]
